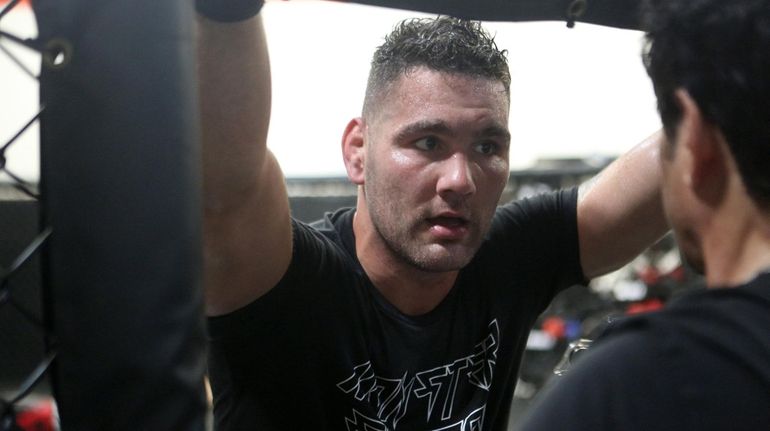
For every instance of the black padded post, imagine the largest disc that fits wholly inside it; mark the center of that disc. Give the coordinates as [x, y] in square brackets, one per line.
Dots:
[120, 189]
[613, 13]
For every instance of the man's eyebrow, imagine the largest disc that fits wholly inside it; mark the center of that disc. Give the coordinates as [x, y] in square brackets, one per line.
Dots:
[496, 132]
[439, 127]
[423, 127]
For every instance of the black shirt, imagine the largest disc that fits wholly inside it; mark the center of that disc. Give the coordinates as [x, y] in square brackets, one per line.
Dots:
[324, 350]
[703, 363]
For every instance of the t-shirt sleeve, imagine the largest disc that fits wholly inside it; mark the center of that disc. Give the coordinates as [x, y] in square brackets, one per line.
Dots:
[535, 240]
[314, 258]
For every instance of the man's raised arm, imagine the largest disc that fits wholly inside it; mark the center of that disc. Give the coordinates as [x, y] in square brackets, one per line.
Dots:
[620, 212]
[246, 224]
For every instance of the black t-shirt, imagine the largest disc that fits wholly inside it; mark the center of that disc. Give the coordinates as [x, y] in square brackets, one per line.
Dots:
[703, 363]
[324, 350]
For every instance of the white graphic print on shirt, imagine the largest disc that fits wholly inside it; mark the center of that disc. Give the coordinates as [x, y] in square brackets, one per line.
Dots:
[390, 398]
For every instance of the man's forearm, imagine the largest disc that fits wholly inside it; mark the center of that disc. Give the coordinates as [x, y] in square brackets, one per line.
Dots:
[234, 78]
[620, 212]
[246, 224]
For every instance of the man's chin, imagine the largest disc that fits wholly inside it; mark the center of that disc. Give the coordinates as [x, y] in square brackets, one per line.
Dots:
[445, 259]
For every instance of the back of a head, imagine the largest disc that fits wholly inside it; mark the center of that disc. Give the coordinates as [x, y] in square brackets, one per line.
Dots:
[444, 44]
[719, 51]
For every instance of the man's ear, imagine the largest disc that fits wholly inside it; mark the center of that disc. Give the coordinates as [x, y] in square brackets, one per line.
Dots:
[353, 150]
[701, 142]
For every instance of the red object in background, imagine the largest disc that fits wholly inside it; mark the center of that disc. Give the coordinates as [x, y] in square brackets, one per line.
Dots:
[649, 275]
[22, 2]
[39, 417]
[555, 327]
[645, 306]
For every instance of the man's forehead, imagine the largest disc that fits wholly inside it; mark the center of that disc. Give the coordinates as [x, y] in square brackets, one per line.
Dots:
[422, 85]
[426, 75]
[424, 92]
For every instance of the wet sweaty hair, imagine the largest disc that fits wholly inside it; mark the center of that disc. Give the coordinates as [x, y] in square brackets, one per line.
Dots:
[719, 51]
[443, 44]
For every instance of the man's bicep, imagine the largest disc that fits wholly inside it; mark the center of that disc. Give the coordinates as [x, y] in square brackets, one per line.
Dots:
[248, 248]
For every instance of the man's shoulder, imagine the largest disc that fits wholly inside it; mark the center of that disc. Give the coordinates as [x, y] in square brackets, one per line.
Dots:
[722, 326]
[329, 236]
[334, 221]
[541, 207]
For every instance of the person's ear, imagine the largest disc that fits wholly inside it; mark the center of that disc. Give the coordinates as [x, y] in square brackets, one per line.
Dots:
[353, 150]
[700, 141]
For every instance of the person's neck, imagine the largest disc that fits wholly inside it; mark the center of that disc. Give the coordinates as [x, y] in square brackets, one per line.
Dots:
[736, 244]
[408, 288]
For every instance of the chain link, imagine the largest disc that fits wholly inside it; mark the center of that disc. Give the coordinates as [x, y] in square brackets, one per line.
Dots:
[11, 402]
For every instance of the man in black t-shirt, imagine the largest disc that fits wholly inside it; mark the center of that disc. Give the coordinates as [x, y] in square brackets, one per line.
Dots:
[410, 311]
[703, 363]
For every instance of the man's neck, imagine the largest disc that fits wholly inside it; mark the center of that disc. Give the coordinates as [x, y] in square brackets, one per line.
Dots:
[736, 246]
[408, 288]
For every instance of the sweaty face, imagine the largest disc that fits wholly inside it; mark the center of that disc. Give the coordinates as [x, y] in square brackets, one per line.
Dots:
[436, 164]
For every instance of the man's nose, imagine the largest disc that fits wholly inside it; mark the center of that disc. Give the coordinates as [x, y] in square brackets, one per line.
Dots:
[456, 176]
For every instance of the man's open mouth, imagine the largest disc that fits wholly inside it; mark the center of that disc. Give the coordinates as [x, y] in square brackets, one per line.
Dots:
[449, 222]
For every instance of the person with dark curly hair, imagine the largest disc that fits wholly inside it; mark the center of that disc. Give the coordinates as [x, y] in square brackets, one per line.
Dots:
[702, 363]
[412, 310]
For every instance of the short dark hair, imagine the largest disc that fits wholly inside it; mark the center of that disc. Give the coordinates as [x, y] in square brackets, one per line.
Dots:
[719, 51]
[444, 44]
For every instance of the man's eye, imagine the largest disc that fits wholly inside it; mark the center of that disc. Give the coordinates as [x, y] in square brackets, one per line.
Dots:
[486, 148]
[426, 144]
